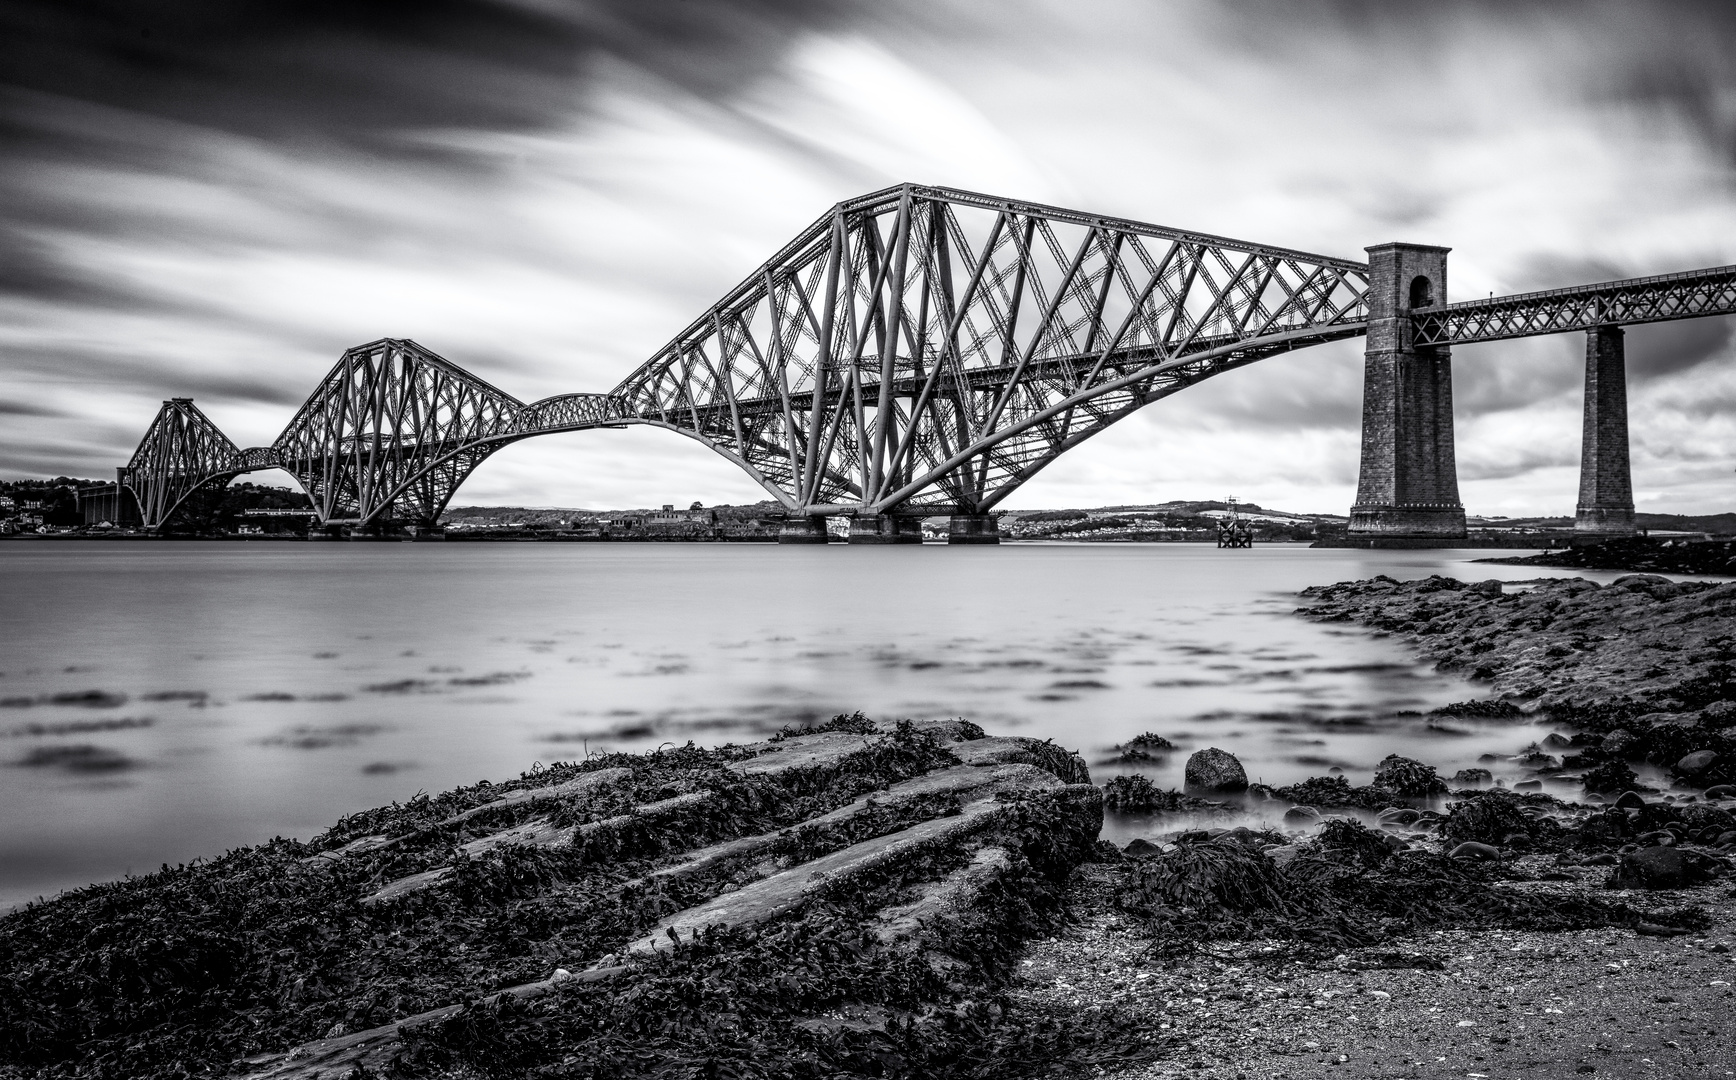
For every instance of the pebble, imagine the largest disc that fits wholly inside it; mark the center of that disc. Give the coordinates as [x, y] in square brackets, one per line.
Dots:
[1470, 849]
[1631, 800]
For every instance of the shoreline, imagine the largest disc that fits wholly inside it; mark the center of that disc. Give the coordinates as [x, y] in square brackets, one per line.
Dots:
[969, 922]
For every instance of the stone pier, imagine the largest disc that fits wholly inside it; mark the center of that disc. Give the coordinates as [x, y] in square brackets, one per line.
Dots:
[885, 529]
[1606, 492]
[804, 530]
[973, 529]
[1408, 489]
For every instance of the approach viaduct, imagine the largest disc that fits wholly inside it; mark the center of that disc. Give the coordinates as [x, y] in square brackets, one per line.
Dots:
[923, 351]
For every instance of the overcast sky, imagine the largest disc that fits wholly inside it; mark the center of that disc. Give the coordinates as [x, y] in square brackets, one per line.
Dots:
[215, 199]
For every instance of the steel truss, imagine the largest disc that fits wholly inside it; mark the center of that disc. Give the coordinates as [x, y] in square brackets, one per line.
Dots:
[181, 452]
[1688, 295]
[915, 351]
[925, 350]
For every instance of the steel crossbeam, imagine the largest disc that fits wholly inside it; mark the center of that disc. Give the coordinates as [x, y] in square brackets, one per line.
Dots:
[1687, 295]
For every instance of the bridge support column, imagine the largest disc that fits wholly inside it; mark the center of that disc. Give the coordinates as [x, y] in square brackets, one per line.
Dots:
[804, 530]
[1606, 490]
[973, 529]
[1408, 489]
[885, 529]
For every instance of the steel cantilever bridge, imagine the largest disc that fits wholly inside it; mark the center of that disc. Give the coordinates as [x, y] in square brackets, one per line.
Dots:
[923, 351]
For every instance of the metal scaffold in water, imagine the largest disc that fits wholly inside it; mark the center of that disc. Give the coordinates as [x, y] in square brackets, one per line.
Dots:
[1233, 531]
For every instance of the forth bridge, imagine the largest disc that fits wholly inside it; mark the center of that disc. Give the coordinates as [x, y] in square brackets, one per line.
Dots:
[923, 351]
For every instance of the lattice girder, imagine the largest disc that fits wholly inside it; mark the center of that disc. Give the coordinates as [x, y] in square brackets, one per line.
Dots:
[181, 452]
[916, 350]
[886, 354]
[1687, 295]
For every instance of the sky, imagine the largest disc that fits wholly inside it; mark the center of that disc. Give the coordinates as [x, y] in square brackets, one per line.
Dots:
[214, 199]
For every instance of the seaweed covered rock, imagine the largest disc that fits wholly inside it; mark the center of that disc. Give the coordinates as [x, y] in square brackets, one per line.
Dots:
[1662, 868]
[1611, 776]
[1147, 747]
[407, 938]
[1214, 772]
[1490, 818]
[1328, 793]
[1222, 874]
[1136, 795]
[1408, 777]
[1356, 842]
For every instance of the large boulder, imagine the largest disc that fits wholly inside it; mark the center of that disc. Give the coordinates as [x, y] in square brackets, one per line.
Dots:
[1693, 765]
[1408, 777]
[1214, 772]
[1661, 868]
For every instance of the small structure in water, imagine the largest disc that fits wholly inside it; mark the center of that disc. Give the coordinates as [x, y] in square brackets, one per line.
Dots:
[1233, 532]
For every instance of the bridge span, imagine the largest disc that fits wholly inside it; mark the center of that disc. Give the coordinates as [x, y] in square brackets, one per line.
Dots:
[923, 351]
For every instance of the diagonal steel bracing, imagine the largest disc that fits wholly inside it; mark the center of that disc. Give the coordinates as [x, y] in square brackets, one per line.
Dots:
[1688, 295]
[926, 350]
[917, 350]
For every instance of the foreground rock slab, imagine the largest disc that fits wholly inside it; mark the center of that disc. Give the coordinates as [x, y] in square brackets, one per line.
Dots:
[934, 859]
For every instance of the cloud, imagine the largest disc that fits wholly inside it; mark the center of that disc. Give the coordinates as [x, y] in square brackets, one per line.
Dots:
[216, 200]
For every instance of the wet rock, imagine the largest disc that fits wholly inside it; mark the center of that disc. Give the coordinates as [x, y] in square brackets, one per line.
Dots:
[1398, 815]
[1283, 854]
[1485, 588]
[1141, 748]
[1556, 741]
[1631, 800]
[1721, 791]
[1661, 868]
[1719, 714]
[1619, 742]
[1473, 777]
[1214, 771]
[1470, 849]
[1528, 785]
[1408, 777]
[1607, 829]
[1696, 763]
[1609, 777]
[1487, 819]
[1141, 847]
[1301, 816]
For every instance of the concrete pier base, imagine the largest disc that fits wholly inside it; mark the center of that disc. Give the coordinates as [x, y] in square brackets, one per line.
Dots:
[973, 529]
[885, 529]
[1606, 491]
[804, 530]
[1408, 487]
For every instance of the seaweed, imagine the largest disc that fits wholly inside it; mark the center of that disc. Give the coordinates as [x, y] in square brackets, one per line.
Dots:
[1225, 890]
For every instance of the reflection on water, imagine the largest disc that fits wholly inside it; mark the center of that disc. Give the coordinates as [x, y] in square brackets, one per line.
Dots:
[159, 702]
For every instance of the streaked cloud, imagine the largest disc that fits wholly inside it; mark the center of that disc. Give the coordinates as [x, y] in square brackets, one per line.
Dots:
[216, 200]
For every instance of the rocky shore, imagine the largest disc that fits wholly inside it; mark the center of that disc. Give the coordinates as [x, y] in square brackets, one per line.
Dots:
[924, 900]
[1646, 554]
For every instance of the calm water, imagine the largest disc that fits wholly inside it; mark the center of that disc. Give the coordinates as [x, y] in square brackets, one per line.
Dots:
[223, 693]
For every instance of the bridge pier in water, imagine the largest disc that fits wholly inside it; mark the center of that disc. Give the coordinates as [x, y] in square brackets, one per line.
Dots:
[1408, 487]
[885, 529]
[973, 529]
[1606, 492]
[804, 530]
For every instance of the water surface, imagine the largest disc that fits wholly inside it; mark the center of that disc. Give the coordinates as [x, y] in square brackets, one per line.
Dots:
[165, 701]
